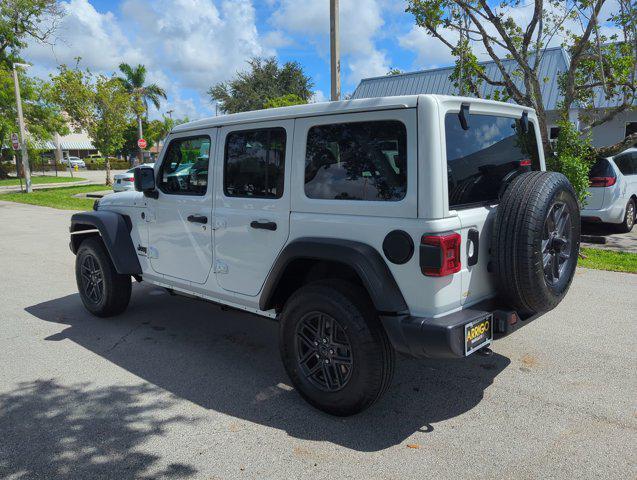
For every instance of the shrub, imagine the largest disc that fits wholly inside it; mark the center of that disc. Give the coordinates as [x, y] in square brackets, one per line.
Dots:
[573, 156]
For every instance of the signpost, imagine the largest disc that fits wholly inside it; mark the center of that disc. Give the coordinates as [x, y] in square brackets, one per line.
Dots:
[15, 143]
[141, 143]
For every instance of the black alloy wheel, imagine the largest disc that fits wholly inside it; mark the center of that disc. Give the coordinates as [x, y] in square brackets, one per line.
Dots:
[92, 279]
[557, 244]
[323, 351]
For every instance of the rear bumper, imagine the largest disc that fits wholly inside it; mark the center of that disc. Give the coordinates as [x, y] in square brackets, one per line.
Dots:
[443, 337]
[613, 214]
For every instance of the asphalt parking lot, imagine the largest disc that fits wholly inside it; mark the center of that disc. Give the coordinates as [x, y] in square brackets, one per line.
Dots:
[178, 388]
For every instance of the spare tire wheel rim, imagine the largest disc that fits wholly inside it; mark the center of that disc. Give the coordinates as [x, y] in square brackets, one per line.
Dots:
[92, 279]
[323, 352]
[557, 242]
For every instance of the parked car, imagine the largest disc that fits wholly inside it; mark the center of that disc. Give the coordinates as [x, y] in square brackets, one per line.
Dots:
[418, 224]
[74, 162]
[125, 181]
[613, 191]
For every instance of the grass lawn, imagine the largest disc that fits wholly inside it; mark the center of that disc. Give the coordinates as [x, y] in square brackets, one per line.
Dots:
[39, 180]
[609, 260]
[61, 198]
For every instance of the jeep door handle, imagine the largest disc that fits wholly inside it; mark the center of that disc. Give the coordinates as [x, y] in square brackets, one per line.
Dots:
[264, 225]
[197, 218]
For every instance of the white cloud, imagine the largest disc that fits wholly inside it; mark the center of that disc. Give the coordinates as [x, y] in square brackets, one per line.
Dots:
[83, 32]
[430, 52]
[361, 23]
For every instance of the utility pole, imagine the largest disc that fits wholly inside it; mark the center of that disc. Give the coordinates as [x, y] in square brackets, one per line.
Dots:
[335, 53]
[170, 113]
[23, 139]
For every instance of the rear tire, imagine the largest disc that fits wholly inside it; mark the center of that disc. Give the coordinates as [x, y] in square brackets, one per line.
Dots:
[536, 241]
[103, 291]
[346, 365]
[629, 217]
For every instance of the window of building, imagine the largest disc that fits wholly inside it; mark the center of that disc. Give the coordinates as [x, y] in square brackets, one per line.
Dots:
[184, 169]
[482, 159]
[554, 132]
[254, 163]
[631, 127]
[357, 161]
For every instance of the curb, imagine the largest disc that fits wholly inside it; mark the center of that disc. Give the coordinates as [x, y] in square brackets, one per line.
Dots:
[16, 188]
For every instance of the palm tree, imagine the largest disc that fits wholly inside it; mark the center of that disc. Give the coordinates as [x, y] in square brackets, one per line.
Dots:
[134, 80]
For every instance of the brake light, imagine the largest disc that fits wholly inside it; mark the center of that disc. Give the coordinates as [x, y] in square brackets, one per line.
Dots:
[440, 254]
[602, 181]
[525, 163]
[129, 179]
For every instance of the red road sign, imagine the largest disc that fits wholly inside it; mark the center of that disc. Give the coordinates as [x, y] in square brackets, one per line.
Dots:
[14, 141]
[141, 143]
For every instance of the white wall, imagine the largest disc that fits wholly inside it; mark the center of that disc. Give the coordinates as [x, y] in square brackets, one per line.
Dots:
[613, 131]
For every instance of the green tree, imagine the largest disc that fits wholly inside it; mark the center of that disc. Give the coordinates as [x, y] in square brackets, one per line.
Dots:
[601, 67]
[284, 101]
[134, 82]
[596, 61]
[98, 104]
[263, 82]
[21, 20]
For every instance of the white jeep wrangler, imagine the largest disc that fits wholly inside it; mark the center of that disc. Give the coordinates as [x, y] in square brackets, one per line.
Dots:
[419, 224]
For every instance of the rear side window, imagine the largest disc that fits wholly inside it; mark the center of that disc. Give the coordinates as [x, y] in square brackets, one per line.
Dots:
[601, 168]
[627, 163]
[254, 163]
[484, 158]
[357, 161]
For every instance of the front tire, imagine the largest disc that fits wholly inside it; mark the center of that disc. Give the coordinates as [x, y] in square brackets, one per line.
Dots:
[334, 348]
[629, 217]
[103, 291]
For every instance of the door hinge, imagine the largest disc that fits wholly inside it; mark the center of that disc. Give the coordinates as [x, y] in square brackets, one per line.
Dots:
[220, 267]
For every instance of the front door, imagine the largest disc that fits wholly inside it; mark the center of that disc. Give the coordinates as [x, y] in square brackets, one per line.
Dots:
[252, 202]
[179, 225]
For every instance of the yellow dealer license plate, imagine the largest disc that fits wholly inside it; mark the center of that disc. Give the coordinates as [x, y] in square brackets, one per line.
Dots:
[478, 334]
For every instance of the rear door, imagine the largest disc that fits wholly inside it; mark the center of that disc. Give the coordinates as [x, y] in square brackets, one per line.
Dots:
[481, 161]
[252, 203]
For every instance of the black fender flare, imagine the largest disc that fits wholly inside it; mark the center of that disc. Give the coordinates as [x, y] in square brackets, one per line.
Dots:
[364, 259]
[114, 228]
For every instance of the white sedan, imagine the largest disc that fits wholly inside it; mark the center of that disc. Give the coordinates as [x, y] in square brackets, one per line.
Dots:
[74, 162]
[123, 182]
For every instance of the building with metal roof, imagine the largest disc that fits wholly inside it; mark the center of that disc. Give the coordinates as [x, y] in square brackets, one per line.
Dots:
[553, 62]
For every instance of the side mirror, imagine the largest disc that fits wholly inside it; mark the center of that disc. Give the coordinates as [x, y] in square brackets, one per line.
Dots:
[145, 180]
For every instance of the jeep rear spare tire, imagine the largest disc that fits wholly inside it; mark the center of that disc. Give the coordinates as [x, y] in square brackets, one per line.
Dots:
[334, 347]
[536, 241]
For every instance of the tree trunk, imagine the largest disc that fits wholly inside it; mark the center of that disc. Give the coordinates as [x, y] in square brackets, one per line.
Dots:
[109, 180]
[140, 135]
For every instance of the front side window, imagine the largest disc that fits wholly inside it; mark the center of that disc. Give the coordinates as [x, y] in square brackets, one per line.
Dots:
[357, 161]
[184, 169]
[483, 159]
[254, 163]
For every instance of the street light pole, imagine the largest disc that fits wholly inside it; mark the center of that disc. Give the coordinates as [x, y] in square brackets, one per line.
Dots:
[335, 51]
[23, 139]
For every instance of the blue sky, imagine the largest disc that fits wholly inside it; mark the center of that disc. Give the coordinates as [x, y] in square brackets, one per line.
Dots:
[189, 45]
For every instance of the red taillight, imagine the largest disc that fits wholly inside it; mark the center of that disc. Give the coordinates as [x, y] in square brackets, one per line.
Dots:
[440, 254]
[129, 179]
[602, 181]
[525, 163]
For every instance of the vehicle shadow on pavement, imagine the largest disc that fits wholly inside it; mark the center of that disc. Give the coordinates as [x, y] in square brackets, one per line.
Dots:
[229, 362]
[50, 430]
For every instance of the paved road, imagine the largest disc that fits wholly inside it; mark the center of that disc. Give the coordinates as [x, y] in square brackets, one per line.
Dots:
[177, 388]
